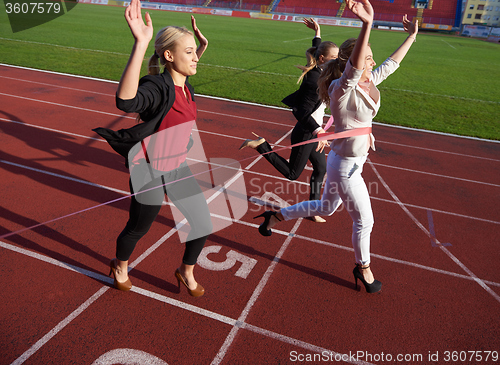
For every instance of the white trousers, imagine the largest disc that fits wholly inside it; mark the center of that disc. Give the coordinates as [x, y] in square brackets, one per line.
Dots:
[344, 184]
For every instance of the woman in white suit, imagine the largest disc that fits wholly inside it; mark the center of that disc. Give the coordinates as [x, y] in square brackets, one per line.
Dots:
[349, 85]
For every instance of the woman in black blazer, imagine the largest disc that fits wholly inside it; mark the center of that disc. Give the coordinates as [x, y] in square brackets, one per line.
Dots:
[156, 148]
[309, 111]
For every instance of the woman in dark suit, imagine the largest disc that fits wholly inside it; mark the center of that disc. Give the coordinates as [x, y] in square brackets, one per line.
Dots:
[157, 147]
[309, 112]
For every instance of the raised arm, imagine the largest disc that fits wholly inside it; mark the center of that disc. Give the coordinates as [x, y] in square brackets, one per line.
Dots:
[142, 32]
[364, 11]
[201, 38]
[312, 24]
[412, 30]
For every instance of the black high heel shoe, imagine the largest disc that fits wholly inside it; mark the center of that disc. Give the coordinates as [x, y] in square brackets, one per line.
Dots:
[267, 217]
[374, 287]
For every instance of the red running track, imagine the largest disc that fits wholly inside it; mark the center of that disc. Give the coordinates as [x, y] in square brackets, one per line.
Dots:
[285, 299]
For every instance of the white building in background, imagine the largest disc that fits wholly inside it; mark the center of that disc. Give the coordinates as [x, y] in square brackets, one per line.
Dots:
[481, 12]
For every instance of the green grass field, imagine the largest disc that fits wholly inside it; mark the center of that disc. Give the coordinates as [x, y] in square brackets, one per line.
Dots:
[446, 83]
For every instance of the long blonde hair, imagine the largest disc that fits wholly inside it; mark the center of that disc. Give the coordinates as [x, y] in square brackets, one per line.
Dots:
[312, 55]
[334, 69]
[165, 40]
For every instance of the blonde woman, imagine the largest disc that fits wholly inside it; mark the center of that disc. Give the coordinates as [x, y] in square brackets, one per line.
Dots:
[349, 83]
[156, 148]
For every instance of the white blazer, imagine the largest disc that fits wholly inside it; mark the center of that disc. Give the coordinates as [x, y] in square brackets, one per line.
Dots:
[352, 107]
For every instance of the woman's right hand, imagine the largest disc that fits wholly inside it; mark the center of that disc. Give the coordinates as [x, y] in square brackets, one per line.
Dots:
[141, 32]
[362, 9]
[127, 88]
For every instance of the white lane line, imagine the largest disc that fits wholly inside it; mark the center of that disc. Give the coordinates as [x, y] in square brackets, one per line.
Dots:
[244, 118]
[51, 129]
[189, 307]
[152, 295]
[31, 82]
[443, 248]
[350, 249]
[255, 296]
[390, 259]
[441, 151]
[123, 192]
[130, 117]
[232, 334]
[328, 354]
[436, 175]
[438, 211]
[60, 326]
[67, 106]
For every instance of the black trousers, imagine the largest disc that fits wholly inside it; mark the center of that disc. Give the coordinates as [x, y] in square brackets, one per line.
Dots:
[186, 196]
[292, 168]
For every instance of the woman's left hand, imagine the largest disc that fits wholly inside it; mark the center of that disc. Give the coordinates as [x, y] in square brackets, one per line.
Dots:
[321, 144]
[409, 27]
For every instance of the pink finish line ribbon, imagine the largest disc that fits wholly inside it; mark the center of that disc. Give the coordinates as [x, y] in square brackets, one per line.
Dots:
[329, 123]
[344, 134]
[328, 137]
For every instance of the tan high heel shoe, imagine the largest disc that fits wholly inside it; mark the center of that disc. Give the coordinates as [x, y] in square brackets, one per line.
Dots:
[253, 143]
[198, 292]
[125, 286]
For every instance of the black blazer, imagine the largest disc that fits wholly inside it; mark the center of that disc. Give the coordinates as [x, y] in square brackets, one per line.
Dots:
[155, 96]
[305, 100]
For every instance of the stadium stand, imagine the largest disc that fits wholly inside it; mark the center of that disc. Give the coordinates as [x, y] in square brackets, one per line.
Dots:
[181, 2]
[427, 11]
[318, 7]
[254, 5]
[441, 12]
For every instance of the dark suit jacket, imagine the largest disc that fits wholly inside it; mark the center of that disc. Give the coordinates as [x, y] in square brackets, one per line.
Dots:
[305, 100]
[155, 96]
